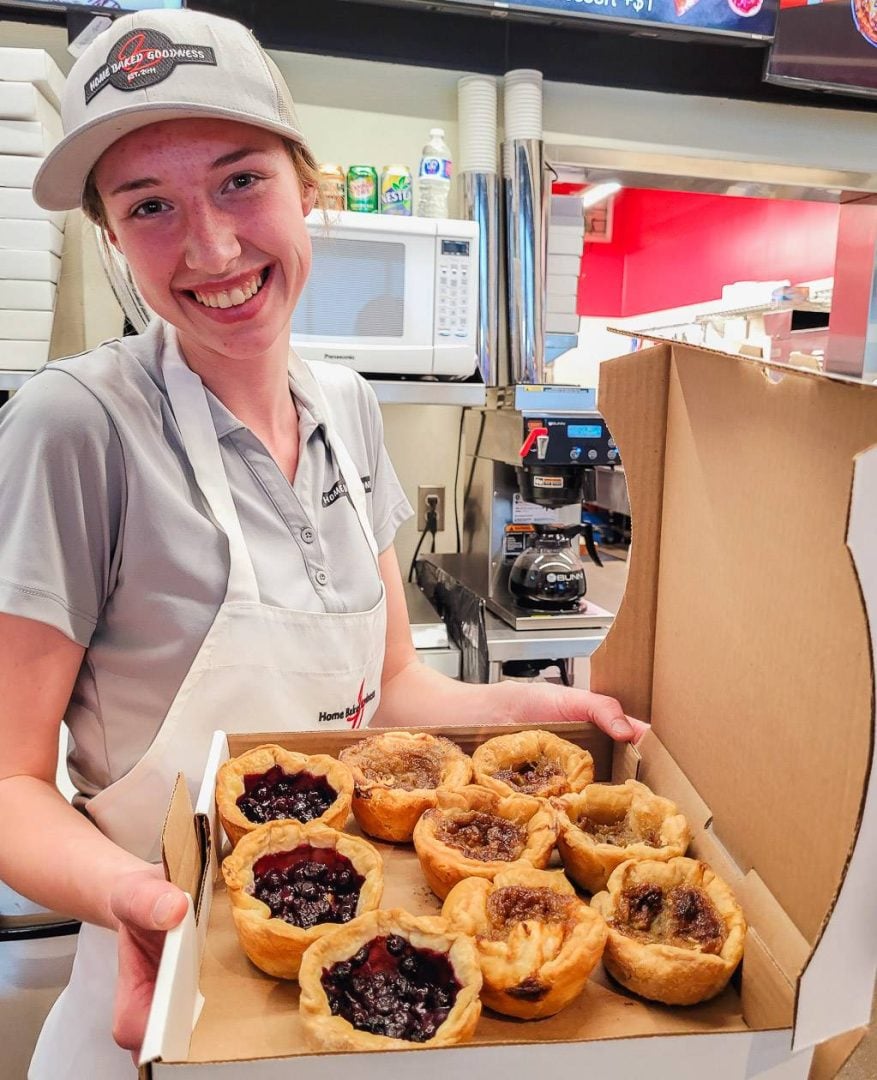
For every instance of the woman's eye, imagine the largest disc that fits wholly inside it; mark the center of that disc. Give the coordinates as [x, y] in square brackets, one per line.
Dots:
[242, 181]
[148, 208]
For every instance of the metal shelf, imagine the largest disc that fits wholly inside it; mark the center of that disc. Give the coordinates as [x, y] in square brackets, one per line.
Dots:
[416, 392]
[13, 380]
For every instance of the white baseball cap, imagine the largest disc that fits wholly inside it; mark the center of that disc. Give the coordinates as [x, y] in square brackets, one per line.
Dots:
[159, 65]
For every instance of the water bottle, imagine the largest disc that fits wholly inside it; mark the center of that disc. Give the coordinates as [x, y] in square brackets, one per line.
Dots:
[434, 177]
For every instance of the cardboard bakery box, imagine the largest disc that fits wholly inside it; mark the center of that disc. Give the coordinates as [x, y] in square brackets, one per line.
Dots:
[744, 638]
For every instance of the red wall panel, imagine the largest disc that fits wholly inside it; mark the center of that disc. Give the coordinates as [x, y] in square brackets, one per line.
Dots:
[674, 248]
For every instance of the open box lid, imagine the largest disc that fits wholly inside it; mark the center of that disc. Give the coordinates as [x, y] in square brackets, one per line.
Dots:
[744, 631]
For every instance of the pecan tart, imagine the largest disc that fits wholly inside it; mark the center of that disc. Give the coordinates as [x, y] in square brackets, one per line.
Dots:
[675, 930]
[390, 981]
[290, 883]
[532, 763]
[269, 783]
[396, 774]
[474, 832]
[607, 824]
[537, 941]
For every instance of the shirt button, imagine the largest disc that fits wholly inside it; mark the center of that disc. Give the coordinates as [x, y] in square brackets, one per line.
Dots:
[321, 577]
[307, 535]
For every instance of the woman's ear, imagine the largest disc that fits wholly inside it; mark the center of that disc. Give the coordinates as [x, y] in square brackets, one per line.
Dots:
[308, 199]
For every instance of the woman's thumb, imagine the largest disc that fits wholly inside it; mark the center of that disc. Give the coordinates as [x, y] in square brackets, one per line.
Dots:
[148, 903]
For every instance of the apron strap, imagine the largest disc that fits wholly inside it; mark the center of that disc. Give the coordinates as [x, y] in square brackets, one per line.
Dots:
[192, 413]
[301, 374]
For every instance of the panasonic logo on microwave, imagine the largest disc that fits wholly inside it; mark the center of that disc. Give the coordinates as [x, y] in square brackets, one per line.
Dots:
[337, 356]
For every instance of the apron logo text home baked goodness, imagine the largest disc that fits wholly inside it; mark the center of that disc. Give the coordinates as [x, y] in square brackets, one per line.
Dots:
[352, 713]
[144, 58]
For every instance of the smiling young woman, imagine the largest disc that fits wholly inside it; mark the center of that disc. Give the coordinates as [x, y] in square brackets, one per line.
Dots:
[171, 559]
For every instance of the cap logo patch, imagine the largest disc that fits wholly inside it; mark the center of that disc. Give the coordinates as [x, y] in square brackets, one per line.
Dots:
[143, 58]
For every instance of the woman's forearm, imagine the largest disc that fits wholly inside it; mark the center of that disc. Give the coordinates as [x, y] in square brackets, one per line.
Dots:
[54, 855]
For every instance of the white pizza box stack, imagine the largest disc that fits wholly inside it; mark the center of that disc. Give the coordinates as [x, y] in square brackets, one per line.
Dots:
[566, 237]
[754, 663]
[31, 238]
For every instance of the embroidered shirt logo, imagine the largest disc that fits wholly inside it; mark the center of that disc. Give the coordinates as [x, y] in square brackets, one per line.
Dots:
[339, 488]
[353, 714]
[143, 58]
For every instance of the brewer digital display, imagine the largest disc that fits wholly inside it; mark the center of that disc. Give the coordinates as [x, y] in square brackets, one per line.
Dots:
[455, 247]
[584, 431]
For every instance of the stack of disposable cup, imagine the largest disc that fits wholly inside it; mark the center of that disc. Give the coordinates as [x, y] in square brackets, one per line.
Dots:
[522, 104]
[476, 98]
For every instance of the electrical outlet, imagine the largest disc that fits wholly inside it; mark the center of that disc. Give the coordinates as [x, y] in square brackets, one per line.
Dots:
[423, 492]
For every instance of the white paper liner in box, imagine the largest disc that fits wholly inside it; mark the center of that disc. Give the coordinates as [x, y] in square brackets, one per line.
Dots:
[845, 958]
[33, 66]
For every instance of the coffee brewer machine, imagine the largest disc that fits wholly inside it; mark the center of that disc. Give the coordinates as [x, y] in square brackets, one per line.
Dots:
[530, 461]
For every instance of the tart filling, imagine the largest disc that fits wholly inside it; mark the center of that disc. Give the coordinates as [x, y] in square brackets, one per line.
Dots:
[482, 836]
[531, 777]
[276, 795]
[682, 916]
[517, 903]
[535, 762]
[308, 886]
[621, 833]
[390, 988]
[409, 770]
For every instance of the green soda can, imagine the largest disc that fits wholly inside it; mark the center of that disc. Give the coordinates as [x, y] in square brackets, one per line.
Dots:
[362, 189]
[396, 190]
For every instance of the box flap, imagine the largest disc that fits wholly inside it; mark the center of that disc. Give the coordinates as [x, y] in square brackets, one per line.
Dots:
[180, 849]
[759, 682]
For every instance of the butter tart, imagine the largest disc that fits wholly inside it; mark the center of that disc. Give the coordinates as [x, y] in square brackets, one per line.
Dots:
[474, 832]
[675, 930]
[290, 883]
[607, 824]
[532, 763]
[269, 783]
[537, 941]
[390, 981]
[396, 774]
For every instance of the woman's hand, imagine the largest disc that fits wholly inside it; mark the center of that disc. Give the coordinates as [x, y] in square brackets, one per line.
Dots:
[146, 906]
[546, 703]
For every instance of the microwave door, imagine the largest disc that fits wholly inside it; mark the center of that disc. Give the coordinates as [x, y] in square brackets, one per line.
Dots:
[368, 302]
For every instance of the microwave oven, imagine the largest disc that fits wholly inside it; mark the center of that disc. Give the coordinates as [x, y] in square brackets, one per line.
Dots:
[390, 295]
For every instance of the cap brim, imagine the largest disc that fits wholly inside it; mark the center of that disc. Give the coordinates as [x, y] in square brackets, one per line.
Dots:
[61, 178]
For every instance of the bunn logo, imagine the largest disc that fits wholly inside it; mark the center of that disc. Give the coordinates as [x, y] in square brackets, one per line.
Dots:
[143, 58]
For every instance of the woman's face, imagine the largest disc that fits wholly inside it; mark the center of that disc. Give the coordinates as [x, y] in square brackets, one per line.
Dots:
[210, 216]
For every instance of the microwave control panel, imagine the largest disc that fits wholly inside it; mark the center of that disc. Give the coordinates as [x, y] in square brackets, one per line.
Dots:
[455, 312]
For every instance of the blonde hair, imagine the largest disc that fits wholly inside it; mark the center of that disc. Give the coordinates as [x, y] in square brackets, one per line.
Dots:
[305, 164]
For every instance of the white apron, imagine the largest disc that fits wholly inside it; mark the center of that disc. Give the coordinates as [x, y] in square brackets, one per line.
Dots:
[260, 668]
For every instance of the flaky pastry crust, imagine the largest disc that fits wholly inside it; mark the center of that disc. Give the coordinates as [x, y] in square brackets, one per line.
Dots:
[534, 762]
[230, 785]
[624, 821]
[328, 1032]
[444, 864]
[537, 941]
[273, 944]
[649, 964]
[396, 775]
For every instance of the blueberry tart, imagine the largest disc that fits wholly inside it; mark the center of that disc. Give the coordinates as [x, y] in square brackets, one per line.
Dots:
[390, 981]
[396, 775]
[607, 824]
[537, 941]
[474, 832]
[532, 763]
[675, 930]
[289, 884]
[269, 783]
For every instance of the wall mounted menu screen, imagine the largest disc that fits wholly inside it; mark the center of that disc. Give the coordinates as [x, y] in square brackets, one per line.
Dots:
[830, 45]
[742, 18]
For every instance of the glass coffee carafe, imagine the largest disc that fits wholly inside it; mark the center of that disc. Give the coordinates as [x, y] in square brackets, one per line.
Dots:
[549, 575]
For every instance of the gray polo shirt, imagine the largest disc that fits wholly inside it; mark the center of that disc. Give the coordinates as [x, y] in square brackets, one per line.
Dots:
[106, 537]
